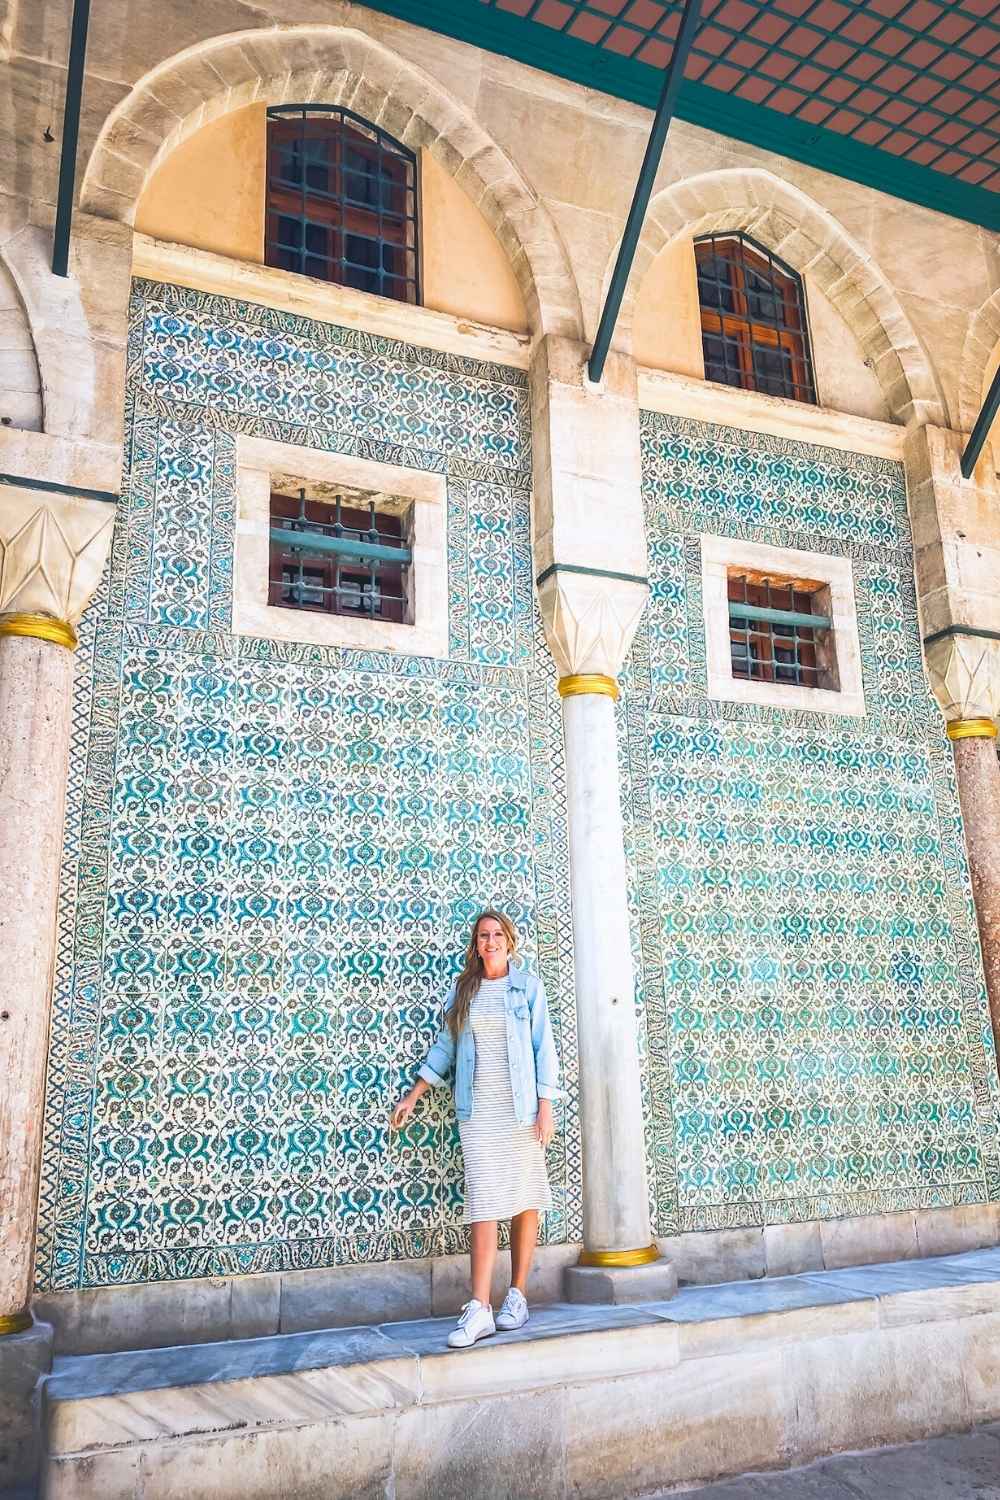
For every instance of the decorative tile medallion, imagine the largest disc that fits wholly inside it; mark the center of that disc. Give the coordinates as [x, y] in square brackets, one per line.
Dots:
[817, 1037]
[274, 850]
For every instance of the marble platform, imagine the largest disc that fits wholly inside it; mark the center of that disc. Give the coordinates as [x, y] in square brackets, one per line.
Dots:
[596, 1403]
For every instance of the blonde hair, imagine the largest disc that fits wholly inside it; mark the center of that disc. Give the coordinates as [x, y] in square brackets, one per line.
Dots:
[471, 976]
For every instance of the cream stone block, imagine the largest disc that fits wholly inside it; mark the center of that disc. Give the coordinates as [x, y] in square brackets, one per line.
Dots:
[499, 1368]
[745, 1335]
[979, 1353]
[844, 379]
[889, 1386]
[718, 555]
[52, 551]
[259, 461]
[867, 1241]
[707, 1418]
[113, 1476]
[964, 672]
[791, 1248]
[349, 1460]
[708, 1256]
[467, 1450]
[949, 1231]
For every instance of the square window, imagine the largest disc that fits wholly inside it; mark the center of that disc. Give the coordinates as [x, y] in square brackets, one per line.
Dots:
[780, 627]
[335, 550]
[343, 554]
[781, 630]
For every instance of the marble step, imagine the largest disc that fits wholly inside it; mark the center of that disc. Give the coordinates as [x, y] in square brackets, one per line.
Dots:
[590, 1402]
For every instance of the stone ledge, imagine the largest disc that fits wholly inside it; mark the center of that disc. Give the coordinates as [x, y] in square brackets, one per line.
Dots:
[744, 1376]
[207, 1309]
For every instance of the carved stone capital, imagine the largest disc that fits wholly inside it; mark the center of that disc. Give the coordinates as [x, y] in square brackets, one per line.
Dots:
[964, 672]
[590, 620]
[52, 552]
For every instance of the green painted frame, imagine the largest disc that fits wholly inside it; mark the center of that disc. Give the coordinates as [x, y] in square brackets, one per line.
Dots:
[538, 46]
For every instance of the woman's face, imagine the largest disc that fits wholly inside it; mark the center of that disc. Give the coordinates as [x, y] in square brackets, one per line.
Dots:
[491, 941]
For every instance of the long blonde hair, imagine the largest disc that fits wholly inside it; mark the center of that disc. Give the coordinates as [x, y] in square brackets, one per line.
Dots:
[471, 976]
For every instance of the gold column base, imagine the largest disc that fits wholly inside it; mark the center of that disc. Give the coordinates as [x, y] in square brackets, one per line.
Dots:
[588, 682]
[42, 627]
[619, 1258]
[967, 729]
[18, 1322]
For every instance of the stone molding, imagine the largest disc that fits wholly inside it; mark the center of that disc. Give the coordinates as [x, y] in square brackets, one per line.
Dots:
[52, 552]
[810, 239]
[725, 406]
[342, 306]
[20, 382]
[964, 672]
[339, 65]
[979, 347]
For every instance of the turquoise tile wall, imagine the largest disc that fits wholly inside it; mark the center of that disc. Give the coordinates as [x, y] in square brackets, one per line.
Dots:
[274, 851]
[816, 1033]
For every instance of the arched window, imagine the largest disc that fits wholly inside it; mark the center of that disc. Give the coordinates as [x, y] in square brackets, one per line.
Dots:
[753, 318]
[341, 201]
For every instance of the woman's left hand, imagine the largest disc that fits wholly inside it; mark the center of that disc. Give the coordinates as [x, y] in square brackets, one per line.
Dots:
[545, 1127]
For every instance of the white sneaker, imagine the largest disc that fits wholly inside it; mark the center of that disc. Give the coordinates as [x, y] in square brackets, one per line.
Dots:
[514, 1313]
[475, 1323]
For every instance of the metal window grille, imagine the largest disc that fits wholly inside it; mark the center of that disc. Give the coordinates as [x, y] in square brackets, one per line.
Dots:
[753, 319]
[338, 559]
[341, 201]
[772, 631]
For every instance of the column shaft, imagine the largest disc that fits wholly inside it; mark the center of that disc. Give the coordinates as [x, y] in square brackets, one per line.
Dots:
[615, 1195]
[978, 773]
[36, 679]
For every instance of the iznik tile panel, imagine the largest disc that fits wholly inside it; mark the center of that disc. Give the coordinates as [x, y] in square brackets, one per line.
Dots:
[274, 851]
[816, 1033]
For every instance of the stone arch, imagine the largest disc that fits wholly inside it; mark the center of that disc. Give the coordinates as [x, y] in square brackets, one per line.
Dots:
[20, 381]
[978, 353]
[810, 239]
[335, 65]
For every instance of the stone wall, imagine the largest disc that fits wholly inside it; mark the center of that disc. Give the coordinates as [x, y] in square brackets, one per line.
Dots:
[817, 1036]
[274, 850]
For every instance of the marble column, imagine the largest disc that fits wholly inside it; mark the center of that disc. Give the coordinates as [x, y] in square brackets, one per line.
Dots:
[956, 538]
[52, 551]
[590, 563]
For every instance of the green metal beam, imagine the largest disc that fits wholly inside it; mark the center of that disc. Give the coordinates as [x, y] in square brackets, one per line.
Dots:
[981, 431]
[594, 67]
[643, 188]
[317, 541]
[779, 616]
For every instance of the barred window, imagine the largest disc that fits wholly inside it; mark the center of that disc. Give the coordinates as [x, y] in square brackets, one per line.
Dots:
[780, 630]
[350, 555]
[341, 201]
[753, 318]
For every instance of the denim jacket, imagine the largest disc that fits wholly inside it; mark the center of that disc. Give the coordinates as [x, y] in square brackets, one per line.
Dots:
[531, 1051]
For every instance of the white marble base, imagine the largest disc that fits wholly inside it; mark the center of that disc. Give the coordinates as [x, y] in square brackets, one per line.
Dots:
[584, 1403]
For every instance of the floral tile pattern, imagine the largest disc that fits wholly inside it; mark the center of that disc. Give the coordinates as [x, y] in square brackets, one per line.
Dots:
[817, 1038]
[274, 850]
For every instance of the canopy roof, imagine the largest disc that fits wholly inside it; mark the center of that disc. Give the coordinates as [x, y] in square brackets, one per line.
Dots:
[902, 95]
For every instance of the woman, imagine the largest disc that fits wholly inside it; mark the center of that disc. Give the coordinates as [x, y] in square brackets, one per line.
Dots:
[497, 1039]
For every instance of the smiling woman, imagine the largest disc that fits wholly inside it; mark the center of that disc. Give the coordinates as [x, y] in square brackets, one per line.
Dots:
[497, 1044]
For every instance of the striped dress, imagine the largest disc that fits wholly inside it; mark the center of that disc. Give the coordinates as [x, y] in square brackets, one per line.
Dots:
[504, 1163]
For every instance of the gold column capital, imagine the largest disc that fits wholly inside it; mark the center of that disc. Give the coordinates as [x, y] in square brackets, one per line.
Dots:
[588, 682]
[18, 1322]
[967, 729]
[42, 627]
[619, 1258]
